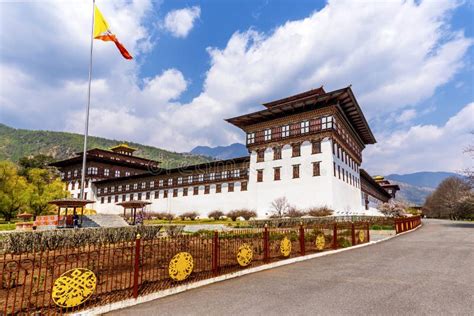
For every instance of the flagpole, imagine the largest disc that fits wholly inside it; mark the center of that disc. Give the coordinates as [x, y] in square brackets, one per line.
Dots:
[86, 129]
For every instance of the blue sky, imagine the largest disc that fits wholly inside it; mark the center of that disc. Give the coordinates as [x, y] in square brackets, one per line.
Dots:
[197, 63]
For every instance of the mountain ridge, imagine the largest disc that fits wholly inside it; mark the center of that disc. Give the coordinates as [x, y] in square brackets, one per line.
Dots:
[17, 143]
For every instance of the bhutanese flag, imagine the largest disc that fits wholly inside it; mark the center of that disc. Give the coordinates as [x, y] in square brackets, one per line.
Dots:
[102, 32]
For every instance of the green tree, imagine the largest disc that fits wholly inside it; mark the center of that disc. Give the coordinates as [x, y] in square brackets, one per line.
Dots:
[38, 161]
[44, 188]
[14, 191]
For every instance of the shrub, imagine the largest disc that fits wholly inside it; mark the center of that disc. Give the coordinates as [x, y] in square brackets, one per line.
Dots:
[164, 216]
[215, 215]
[191, 215]
[246, 214]
[320, 211]
[294, 212]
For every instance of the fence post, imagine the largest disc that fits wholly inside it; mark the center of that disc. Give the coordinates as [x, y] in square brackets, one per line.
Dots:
[265, 244]
[368, 231]
[302, 246]
[353, 234]
[136, 266]
[215, 253]
[334, 236]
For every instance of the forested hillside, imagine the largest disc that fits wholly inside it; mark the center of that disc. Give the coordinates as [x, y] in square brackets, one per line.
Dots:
[18, 143]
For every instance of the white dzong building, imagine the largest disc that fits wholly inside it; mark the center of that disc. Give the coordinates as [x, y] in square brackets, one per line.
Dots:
[307, 148]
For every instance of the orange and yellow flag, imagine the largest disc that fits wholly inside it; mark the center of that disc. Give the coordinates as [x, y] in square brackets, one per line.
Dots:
[102, 32]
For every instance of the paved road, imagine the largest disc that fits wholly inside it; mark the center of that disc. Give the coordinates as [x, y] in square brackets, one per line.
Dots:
[426, 272]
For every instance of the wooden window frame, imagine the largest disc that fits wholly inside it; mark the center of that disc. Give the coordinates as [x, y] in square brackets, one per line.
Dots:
[230, 187]
[276, 173]
[196, 190]
[316, 147]
[296, 171]
[316, 168]
[296, 150]
[277, 153]
[259, 175]
[218, 188]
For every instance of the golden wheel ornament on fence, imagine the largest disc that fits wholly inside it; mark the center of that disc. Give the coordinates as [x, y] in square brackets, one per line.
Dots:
[181, 266]
[244, 255]
[320, 241]
[285, 247]
[361, 236]
[73, 287]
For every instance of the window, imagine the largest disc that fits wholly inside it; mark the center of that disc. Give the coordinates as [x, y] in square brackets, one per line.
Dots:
[260, 155]
[316, 169]
[185, 191]
[296, 150]
[165, 194]
[102, 200]
[143, 185]
[243, 186]
[218, 188]
[157, 194]
[339, 171]
[180, 180]
[152, 184]
[250, 138]
[276, 153]
[260, 175]
[326, 122]
[276, 173]
[160, 183]
[116, 198]
[147, 196]
[296, 171]
[131, 197]
[334, 165]
[343, 175]
[106, 189]
[207, 188]
[106, 172]
[170, 182]
[230, 187]
[190, 179]
[75, 173]
[112, 189]
[224, 174]
[127, 187]
[316, 147]
[140, 196]
[212, 176]
[135, 186]
[196, 190]
[85, 195]
[127, 173]
[175, 192]
[201, 178]
[117, 173]
[73, 185]
[109, 199]
[304, 127]
[69, 173]
[285, 131]
[267, 134]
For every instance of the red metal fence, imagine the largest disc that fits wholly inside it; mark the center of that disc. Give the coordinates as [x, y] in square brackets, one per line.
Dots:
[404, 224]
[130, 269]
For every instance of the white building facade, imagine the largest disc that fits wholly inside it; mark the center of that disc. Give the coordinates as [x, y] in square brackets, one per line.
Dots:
[306, 148]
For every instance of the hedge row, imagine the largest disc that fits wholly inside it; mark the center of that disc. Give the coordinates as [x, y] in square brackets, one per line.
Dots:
[20, 242]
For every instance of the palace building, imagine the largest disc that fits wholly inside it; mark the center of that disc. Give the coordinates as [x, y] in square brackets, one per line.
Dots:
[307, 148]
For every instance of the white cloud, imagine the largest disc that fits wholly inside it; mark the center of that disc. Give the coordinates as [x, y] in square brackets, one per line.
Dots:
[424, 147]
[180, 22]
[406, 116]
[394, 53]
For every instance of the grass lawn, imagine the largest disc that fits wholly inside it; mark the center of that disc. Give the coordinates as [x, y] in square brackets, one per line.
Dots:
[7, 226]
[197, 222]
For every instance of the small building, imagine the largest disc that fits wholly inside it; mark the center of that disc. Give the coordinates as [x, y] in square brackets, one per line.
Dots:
[307, 147]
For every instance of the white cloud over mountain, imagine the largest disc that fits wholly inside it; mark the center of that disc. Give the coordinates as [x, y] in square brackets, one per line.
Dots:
[180, 22]
[394, 53]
